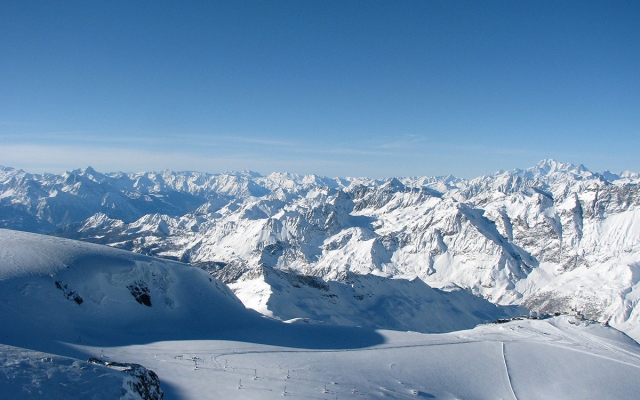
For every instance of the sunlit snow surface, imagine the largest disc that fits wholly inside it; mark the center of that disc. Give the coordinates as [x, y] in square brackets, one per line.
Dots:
[528, 359]
[204, 344]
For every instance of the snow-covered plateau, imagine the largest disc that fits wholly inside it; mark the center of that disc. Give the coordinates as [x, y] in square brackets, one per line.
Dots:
[86, 321]
[554, 238]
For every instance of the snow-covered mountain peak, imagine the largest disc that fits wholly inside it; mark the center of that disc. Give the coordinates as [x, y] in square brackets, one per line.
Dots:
[6, 171]
[251, 173]
[91, 173]
[550, 170]
[549, 165]
[394, 185]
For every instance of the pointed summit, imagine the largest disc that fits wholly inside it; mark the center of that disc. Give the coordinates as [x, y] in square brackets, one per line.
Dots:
[92, 174]
[395, 185]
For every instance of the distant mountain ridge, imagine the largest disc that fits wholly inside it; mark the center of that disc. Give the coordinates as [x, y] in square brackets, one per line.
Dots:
[555, 237]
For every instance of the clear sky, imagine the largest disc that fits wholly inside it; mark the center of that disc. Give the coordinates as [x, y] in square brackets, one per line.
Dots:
[338, 88]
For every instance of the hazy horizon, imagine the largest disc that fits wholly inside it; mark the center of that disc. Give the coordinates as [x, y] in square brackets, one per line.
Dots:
[374, 89]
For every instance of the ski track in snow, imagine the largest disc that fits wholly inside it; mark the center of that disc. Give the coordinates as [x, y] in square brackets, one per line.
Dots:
[506, 368]
[594, 340]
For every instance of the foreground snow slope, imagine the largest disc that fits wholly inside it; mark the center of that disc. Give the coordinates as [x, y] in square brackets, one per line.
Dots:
[28, 374]
[559, 358]
[75, 300]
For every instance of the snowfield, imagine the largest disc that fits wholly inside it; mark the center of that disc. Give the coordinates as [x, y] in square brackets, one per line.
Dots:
[549, 359]
[63, 302]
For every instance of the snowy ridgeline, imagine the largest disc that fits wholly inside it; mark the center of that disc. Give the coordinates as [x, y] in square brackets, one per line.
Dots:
[83, 321]
[554, 238]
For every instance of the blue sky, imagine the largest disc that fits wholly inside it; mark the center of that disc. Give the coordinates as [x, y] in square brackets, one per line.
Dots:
[338, 88]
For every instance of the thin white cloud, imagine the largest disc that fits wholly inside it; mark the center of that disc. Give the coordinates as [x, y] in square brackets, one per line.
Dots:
[59, 158]
[69, 137]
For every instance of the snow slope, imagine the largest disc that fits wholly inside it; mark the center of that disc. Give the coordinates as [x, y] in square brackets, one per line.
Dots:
[191, 330]
[559, 358]
[26, 374]
[30, 374]
[57, 291]
[368, 301]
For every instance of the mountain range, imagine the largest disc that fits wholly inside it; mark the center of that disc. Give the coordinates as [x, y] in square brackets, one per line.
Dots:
[554, 238]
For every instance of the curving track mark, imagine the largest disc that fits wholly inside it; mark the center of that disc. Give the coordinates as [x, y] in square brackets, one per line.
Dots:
[506, 367]
[601, 342]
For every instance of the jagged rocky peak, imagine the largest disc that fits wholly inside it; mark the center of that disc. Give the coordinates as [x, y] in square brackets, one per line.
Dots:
[92, 174]
[7, 172]
[394, 185]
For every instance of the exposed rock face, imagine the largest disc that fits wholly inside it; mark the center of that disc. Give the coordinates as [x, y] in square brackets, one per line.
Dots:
[142, 381]
[537, 237]
[69, 294]
[140, 291]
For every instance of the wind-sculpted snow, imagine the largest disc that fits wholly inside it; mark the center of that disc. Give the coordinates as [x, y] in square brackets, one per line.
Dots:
[504, 237]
